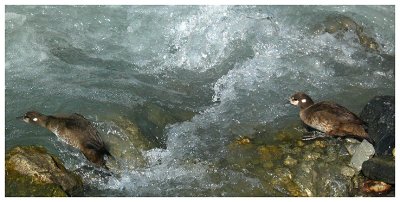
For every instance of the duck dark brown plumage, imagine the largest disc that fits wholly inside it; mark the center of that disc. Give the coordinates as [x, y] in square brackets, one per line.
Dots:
[76, 131]
[329, 117]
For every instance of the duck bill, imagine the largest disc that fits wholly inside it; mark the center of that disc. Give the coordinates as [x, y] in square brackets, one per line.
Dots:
[294, 102]
[22, 118]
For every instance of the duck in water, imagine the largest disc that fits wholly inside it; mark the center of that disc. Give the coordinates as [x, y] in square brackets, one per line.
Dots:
[76, 131]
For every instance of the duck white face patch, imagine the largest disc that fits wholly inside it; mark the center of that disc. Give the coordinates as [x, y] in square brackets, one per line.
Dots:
[34, 119]
[294, 102]
[304, 100]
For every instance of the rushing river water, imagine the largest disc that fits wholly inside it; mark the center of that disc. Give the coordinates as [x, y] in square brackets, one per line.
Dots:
[193, 79]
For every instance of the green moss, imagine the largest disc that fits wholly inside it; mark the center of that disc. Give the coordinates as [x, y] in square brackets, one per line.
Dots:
[31, 171]
[23, 185]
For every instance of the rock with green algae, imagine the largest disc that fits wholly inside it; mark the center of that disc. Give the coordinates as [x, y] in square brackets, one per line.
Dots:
[283, 182]
[32, 171]
[241, 153]
[290, 161]
[293, 167]
[289, 133]
[270, 152]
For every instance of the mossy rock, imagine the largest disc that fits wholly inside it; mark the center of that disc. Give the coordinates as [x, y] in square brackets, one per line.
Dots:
[22, 185]
[283, 182]
[270, 152]
[32, 171]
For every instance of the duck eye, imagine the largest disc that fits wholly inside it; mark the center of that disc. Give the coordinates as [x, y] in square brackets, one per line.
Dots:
[34, 119]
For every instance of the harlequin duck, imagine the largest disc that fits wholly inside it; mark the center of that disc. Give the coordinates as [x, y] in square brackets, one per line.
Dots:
[76, 131]
[329, 117]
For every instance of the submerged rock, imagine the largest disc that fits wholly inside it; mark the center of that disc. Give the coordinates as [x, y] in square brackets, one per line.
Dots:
[288, 134]
[134, 134]
[289, 161]
[293, 167]
[32, 171]
[379, 113]
[380, 169]
[270, 152]
[153, 119]
[128, 147]
[283, 181]
[339, 24]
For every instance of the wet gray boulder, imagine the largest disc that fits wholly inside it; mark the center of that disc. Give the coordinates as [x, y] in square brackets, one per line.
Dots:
[32, 171]
[380, 169]
[379, 114]
[363, 152]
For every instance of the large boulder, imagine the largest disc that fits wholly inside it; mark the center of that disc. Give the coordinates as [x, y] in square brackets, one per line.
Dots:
[379, 113]
[128, 146]
[380, 169]
[32, 171]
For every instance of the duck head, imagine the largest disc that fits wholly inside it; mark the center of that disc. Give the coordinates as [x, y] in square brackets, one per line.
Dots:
[301, 99]
[34, 118]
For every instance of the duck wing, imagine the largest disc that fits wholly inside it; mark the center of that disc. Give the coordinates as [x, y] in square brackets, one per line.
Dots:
[333, 111]
[81, 125]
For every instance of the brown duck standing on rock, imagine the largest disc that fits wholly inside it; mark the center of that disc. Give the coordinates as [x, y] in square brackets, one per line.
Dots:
[76, 131]
[329, 117]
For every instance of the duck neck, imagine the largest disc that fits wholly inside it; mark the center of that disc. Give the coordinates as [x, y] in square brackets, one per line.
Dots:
[306, 105]
[44, 121]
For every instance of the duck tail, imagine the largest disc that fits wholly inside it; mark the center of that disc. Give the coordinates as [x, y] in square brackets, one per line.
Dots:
[106, 152]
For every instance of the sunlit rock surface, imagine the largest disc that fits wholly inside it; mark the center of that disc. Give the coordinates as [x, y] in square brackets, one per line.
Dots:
[32, 171]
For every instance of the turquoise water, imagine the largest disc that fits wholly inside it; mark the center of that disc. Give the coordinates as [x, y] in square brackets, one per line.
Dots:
[218, 71]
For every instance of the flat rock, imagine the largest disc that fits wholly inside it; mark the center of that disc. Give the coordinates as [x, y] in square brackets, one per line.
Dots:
[379, 113]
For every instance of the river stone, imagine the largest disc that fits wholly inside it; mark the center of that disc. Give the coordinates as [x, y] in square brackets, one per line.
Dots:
[32, 171]
[363, 152]
[380, 169]
[379, 113]
[289, 161]
[134, 134]
[128, 147]
[348, 171]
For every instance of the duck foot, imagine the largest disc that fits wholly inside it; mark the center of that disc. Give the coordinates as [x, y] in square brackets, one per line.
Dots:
[313, 135]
